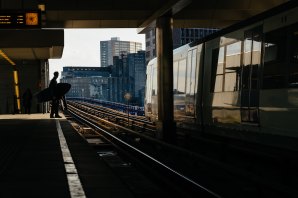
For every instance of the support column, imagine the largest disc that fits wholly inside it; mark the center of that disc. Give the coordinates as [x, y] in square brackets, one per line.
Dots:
[43, 83]
[164, 47]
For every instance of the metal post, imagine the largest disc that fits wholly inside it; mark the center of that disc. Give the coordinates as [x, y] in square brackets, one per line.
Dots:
[127, 96]
[127, 113]
[83, 94]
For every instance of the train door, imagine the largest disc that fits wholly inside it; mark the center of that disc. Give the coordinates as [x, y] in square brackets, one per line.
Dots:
[252, 46]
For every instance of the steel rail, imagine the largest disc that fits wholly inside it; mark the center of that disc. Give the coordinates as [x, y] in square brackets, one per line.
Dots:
[169, 169]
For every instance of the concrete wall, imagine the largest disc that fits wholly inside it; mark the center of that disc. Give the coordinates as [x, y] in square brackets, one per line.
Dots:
[32, 74]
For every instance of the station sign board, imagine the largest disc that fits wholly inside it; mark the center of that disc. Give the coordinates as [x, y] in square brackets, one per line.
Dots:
[20, 19]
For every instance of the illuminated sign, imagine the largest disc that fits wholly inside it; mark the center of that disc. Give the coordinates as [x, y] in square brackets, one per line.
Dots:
[19, 19]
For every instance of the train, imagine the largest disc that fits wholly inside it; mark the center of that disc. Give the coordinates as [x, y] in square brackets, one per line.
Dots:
[240, 82]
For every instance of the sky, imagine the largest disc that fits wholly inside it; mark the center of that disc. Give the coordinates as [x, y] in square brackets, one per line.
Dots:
[82, 46]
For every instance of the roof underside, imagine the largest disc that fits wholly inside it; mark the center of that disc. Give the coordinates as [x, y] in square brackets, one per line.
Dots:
[140, 14]
[119, 14]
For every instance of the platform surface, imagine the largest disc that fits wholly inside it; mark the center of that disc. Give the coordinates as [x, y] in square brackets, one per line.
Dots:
[32, 163]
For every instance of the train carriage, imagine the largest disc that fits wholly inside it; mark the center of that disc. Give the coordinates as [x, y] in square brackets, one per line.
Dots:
[243, 78]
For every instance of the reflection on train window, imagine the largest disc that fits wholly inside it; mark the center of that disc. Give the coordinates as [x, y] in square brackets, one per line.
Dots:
[226, 68]
[218, 83]
[188, 72]
[274, 73]
[175, 78]
[149, 84]
[293, 70]
[191, 72]
[198, 65]
[190, 82]
[219, 71]
[255, 60]
[232, 67]
[154, 81]
[181, 76]
[213, 68]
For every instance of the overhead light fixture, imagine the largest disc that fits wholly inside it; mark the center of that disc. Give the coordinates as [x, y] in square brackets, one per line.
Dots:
[6, 58]
[42, 7]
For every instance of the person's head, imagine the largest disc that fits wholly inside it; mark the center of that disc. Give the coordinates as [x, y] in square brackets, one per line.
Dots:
[56, 74]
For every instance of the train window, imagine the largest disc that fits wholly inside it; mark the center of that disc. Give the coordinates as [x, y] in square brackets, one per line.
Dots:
[188, 72]
[191, 72]
[198, 65]
[219, 71]
[232, 69]
[154, 81]
[148, 84]
[256, 59]
[213, 68]
[218, 83]
[274, 72]
[175, 80]
[293, 70]
[181, 76]
[190, 82]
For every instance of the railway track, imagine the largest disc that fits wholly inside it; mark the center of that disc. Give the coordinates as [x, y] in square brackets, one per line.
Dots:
[135, 123]
[209, 163]
[109, 143]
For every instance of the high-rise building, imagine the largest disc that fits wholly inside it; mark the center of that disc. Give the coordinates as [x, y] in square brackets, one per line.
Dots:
[115, 47]
[137, 72]
[128, 76]
[181, 36]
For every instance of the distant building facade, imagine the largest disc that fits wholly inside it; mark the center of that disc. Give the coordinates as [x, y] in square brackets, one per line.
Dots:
[88, 87]
[81, 71]
[115, 47]
[88, 82]
[126, 75]
[181, 36]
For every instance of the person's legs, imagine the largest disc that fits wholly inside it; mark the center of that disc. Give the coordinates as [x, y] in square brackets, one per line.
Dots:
[52, 109]
[57, 109]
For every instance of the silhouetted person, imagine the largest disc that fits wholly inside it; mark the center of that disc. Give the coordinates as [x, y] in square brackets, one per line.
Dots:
[27, 98]
[55, 100]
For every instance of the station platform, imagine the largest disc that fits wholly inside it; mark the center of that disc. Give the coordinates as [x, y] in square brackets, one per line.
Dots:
[45, 157]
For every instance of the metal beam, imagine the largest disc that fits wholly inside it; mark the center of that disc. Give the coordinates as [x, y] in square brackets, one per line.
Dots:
[172, 7]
